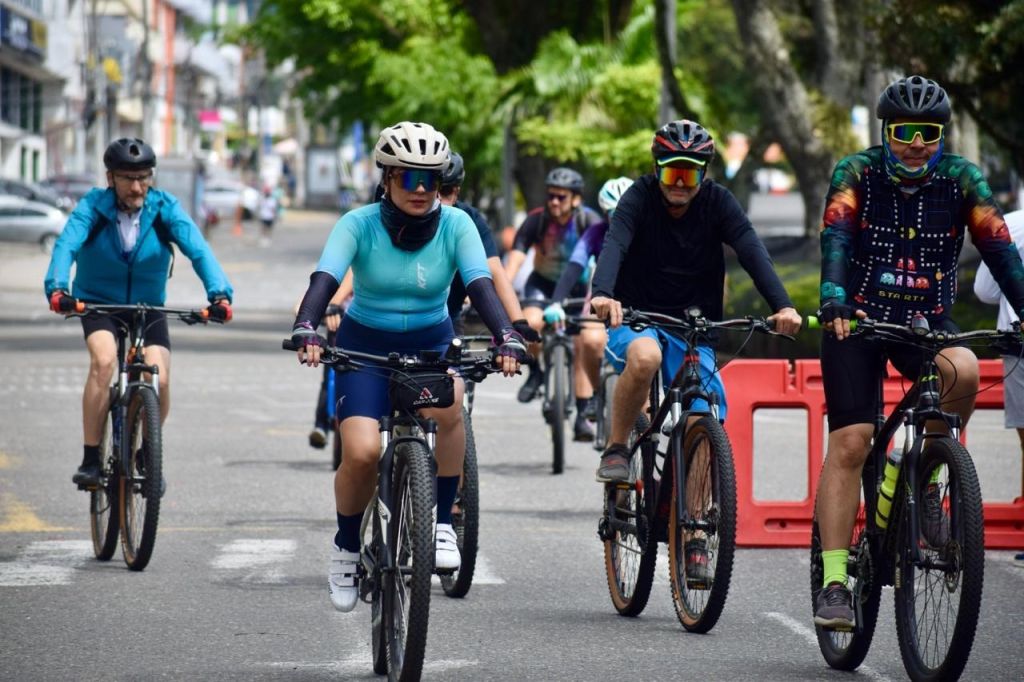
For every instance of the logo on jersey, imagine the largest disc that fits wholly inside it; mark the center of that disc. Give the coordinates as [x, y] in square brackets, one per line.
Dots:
[421, 276]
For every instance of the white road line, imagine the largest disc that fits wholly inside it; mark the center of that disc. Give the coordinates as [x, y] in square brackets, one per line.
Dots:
[45, 562]
[807, 633]
[484, 574]
[259, 558]
[361, 663]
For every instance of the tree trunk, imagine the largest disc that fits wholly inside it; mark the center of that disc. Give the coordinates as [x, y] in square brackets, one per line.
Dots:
[785, 105]
[664, 26]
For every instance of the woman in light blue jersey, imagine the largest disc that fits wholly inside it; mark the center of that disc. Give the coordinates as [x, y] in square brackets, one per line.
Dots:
[403, 252]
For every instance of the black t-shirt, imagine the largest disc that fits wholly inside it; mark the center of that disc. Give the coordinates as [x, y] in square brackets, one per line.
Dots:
[652, 261]
[457, 293]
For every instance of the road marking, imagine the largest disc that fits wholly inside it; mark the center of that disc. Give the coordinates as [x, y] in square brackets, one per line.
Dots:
[6, 461]
[484, 574]
[259, 558]
[362, 662]
[19, 518]
[45, 562]
[808, 633]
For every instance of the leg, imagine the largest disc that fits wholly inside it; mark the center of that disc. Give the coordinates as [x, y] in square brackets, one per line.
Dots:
[528, 391]
[355, 479]
[591, 341]
[643, 360]
[450, 454]
[102, 349]
[839, 484]
[161, 357]
[958, 373]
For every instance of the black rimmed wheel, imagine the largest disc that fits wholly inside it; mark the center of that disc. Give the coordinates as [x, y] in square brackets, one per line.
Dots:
[141, 482]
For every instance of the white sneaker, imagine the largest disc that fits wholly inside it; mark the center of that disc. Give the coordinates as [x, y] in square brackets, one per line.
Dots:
[342, 579]
[446, 556]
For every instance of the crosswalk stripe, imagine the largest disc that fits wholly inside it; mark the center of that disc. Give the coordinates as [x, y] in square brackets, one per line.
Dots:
[46, 562]
[259, 559]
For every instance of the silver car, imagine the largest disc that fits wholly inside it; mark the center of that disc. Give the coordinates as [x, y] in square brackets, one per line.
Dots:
[23, 220]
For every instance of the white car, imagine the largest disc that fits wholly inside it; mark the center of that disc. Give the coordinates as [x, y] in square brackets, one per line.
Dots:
[23, 220]
[223, 196]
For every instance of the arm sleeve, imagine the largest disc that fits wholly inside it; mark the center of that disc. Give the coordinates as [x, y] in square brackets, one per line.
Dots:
[752, 254]
[65, 250]
[616, 243]
[189, 239]
[485, 299]
[322, 286]
[838, 230]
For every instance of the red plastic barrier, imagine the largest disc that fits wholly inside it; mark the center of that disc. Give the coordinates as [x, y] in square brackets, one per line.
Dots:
[756, 384]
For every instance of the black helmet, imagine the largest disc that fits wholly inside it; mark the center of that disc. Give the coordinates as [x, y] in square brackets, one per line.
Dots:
[566, 178]
[455, 172]
[129, 153]
[914, 97]
[682, 139]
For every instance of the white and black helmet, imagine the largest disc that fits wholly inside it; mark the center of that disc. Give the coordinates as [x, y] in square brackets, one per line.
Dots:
[611, 192]
[412, 145]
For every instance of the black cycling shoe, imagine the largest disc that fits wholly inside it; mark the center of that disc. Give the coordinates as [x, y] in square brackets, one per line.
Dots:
[834, 608]
[87, 476]
[528, 391]
[934, 522]
[698, 572]
[582, 430]
[318, 437]
[590, 411]
[614, 466]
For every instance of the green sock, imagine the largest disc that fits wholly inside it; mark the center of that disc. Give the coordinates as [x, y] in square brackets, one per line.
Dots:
[834, 561]
[936, 475]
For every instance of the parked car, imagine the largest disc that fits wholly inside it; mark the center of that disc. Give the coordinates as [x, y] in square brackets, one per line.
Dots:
[223, 196]
[26, 190]
[23, 220]
[69, 188]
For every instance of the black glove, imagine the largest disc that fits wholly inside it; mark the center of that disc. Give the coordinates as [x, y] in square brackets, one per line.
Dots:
[512, 345]
[60, 302]
[834, 309]
[219, 310]
[304, 335]
[333, 310]
[526, 331]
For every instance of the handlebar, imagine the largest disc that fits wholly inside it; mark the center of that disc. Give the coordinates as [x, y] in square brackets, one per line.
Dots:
[188, 316]
[920, 333]
[696, 322]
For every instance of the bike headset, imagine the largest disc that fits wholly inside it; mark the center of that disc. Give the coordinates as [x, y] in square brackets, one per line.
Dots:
[920, 99]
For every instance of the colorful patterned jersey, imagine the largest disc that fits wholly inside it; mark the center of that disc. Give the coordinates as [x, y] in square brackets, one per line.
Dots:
[894, 254]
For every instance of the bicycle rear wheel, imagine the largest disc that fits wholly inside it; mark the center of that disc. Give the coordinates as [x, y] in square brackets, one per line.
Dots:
[466, 520]
[557, 400]
[630, 545]
[411, 538]
[699, 593]
[938, 602]
[104, 522]
[140, 484]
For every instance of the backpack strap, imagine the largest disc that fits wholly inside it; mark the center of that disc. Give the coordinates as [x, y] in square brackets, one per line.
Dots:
[162, 233]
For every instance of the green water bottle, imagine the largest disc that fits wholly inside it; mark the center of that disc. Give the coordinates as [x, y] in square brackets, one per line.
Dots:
[887, 490]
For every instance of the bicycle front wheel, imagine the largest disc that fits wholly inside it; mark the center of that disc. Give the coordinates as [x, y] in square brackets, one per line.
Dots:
[701, 546]
[141, 482]
[336, 454]
[411, 539]
[938, 600]
[557, 399]
[465, 519]
[104, 521]
[630, 544]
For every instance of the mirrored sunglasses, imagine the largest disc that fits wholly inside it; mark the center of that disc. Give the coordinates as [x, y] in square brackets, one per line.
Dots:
[670, 175]
[410, 179]
[906, 132]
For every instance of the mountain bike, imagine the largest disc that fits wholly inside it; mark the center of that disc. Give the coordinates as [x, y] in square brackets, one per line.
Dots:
[397, 559]
[931, 546]
[682, 493]
[126, 500]
[603, 393]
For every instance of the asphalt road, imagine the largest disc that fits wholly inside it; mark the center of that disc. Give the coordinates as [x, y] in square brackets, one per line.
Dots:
[236, 588]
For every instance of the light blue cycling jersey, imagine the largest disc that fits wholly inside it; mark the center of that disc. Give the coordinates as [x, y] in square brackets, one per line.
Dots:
[396, 290]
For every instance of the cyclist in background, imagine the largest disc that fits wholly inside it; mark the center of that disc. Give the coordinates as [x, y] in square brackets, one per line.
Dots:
[592, 337]
[664, 253]
[553, 231]
[120, 240]
[332, 319]
[451, 184]
[895, 220]
[403, 252]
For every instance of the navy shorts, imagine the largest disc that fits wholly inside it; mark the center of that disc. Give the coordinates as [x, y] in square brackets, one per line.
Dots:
[157, 333]
[364, 393]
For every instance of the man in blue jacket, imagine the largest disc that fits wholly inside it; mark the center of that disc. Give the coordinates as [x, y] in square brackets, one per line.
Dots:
[120, 239]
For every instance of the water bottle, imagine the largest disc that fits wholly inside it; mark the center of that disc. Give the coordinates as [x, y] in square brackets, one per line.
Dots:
[887, 490]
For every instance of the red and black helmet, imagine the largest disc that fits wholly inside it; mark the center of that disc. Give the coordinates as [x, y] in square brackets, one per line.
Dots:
[682, 140]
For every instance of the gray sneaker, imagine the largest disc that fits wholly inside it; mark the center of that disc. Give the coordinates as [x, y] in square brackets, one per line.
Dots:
[834, 608]
[934, 521]
[614, 465]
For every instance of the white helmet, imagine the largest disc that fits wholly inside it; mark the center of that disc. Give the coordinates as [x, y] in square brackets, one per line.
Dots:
[611, 192]
[412, 145]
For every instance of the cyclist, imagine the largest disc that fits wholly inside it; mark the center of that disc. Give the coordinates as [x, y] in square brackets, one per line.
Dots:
[894, 224]
[331, 320]
[120, 241]
[553, 231]
[451, 185]
[403, 252]
[592, 337]
[663, 253]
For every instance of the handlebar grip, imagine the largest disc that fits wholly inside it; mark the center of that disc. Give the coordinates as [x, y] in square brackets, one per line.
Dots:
[204, 313]
[288, 344]
[814, 323]
[79, 307]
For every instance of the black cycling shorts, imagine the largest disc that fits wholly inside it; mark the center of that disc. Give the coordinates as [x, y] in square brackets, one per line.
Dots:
[157, 333]
[852, 371]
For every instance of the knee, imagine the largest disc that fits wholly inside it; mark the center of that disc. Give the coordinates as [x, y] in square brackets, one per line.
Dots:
[361, 459]
[960, 371]
[449, 418]
[644, 362]
[849, 448]
[593, 343]
[101, 368]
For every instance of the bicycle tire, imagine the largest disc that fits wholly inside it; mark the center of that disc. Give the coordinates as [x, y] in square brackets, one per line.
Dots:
[140, 484]
[927, 600]
[847, 650]
[467, 521]
[630, 559]
[411, 538]
[699, 609]
[336, 451]
[557, 397]
[378, 640]
[604, 409]
[104, 514]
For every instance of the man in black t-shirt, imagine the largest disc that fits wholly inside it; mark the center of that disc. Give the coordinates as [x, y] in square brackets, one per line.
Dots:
[663, 253]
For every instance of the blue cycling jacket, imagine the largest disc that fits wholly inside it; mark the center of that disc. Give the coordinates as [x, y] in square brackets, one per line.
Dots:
[106, 274]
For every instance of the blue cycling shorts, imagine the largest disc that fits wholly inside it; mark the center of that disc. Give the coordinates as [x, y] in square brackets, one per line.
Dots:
[364, 393]
[673, 350]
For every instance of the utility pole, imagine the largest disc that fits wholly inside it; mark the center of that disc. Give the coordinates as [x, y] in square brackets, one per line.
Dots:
[666, 112]
[146, 76]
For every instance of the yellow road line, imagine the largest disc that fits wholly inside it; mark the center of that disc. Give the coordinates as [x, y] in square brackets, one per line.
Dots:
[19, 518]
[6, 461]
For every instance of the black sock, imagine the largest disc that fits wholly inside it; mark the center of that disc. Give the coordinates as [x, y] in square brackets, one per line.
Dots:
[91, 455]
[581, 405]
[347, 537]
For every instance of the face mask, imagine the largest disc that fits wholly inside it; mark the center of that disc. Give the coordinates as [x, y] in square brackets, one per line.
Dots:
[407, 232]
